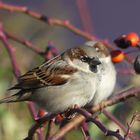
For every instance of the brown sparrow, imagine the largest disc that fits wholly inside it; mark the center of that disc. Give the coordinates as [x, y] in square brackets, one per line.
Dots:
[79, 76]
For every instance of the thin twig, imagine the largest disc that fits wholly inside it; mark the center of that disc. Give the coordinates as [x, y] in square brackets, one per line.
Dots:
[50, 129]
[32, 110]
[50, 21]
[16, 71]
[136, 117]
[84, 13]
[46, 54]
[37, 125]
[110, 116]
[10, 51]
[88, 117]
[84, 128]
[25, 42]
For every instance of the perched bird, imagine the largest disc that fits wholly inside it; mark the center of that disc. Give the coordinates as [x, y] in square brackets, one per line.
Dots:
[80, 76]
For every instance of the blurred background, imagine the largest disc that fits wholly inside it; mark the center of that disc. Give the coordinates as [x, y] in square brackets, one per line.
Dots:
[104, 19]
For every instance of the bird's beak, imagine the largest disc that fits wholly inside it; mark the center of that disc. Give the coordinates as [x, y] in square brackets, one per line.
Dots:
[95, 61]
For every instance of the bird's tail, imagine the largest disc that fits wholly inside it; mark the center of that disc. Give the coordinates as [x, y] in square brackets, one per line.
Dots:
[18, 97]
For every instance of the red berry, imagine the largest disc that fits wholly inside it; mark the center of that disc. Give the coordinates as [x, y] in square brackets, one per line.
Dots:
[41, 113]
[117, 56]
[133, 38]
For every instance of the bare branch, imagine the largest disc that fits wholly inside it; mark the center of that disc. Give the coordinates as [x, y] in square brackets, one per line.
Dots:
[10, 50]
[90, 118]
[50, 130]
[85, 130]
[132, 92]
[16, 71]
[28, 44]
[25, 42]
[50, 21]
[117, 122]
[38, 124]
[135, 118]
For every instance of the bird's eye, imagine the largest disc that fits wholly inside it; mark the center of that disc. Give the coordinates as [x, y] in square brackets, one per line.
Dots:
[85, 59]
[93, 62]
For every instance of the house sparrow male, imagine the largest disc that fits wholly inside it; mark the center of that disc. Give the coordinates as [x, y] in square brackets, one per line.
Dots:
[72, 78]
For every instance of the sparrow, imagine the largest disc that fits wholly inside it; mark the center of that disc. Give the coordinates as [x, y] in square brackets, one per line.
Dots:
[108, 74]
[73, 78]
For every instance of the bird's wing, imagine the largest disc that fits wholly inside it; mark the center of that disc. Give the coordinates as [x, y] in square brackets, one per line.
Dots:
[51, 73]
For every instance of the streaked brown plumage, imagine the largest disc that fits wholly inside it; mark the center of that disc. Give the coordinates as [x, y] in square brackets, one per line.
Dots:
[68, 79]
